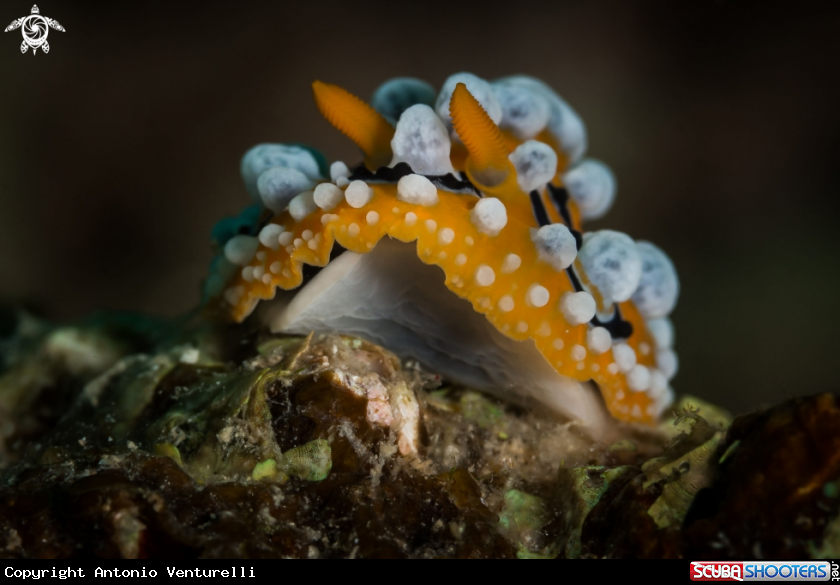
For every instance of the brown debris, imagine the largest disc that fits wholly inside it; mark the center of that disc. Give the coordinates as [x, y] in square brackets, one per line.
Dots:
[230, 443]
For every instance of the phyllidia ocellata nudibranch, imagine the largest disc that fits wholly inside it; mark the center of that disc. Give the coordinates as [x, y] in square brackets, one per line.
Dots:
[488, 182]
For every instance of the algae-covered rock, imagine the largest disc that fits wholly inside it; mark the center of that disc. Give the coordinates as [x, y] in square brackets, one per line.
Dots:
[127, 437]
[774, 492]
[311, 461]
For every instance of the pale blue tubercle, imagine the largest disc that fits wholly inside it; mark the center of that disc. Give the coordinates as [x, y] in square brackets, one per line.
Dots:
[563, 122]
[396, 95]
[591, 184]
[262, 157]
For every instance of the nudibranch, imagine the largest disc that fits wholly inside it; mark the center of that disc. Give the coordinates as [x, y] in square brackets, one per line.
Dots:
[458, 241]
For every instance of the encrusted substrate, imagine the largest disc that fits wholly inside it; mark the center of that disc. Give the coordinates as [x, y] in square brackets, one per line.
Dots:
[123, 437]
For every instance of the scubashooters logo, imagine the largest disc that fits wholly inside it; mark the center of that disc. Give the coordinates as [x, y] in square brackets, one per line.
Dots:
[35, 29]
[763, 571]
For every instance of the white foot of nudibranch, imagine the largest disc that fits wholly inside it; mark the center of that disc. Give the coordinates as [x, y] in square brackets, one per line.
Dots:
[391, 298]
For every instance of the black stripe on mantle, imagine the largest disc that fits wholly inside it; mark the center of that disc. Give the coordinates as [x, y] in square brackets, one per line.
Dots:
[447, 182]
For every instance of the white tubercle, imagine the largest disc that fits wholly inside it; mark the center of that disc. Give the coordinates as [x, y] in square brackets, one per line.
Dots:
[480, 89]
[484, 275]
[240, 249]
[599, 340]
[638, 378]
[232, 295]
[302, 205]
[506, 303]
[662, 331]
[489, 216]
[327, 196]
[536, 164]
[338, 169]
[537, 295]
[666, 361]
[658, 287]
[555, 245]
[422, 141]
[624, 356]
[591, 185]
[269, 236]
[658, 384]
[286, 238]
[612, 264]
[278, 185]
[358, 194]
[418, 190]
[577, 307]
[511, 263]
[446, 236]
[524, 112]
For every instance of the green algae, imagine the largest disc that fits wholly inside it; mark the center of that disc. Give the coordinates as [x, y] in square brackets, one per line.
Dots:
[268, 470]
[522, 511]
[580, 489]
[684, 477]
[168, 450]
[481, 410]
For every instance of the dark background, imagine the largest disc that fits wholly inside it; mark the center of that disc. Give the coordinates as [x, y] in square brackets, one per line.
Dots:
[120, 148]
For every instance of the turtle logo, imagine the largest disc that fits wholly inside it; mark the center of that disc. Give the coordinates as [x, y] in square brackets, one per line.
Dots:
[35, 29]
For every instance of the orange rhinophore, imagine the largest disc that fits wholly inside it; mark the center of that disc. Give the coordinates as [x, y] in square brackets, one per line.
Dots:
[481, 275]
[356, 120]
[488, 152]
